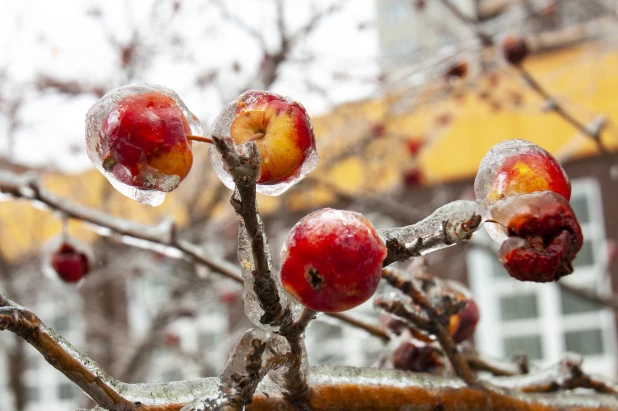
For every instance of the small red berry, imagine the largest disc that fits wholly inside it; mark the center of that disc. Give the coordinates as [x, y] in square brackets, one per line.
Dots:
[69, 263]
[417, 358]
[463, 324]
[332, 260]
[544, 236]
[413, 177]
[515, 50]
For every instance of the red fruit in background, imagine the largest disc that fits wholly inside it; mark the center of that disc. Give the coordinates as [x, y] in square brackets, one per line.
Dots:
[70, 264]
[463, 324]
[281, 129]
[515, 50]
[457, 70]
[414, 146]
[413, 177]
[544, 236]
[332, 260]
[417, 358]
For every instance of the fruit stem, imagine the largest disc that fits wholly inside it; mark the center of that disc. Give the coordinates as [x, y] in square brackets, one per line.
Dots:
[256, 136]
[201, 139]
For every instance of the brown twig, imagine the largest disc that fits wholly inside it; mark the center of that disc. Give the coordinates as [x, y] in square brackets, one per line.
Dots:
[437, 324]
[496, 367]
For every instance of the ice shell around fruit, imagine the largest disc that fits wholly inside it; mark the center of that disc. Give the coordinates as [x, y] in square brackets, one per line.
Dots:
[485, 180]
[97, 149]
[221, 128]
[52, 246]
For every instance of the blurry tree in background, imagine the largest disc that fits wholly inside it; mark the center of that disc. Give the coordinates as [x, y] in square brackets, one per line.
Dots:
[156, 307]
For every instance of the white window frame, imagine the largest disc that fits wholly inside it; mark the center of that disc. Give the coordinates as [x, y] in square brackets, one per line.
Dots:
[551, 323]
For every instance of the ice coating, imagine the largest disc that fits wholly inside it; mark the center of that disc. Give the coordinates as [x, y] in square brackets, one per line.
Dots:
[331, 260]
[282, 131]
[156, 173]
[66, 258]
[253, 310]
[517, 167]
[457, 221]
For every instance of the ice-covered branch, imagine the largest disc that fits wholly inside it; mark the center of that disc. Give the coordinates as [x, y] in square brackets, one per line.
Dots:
[162, 237]
[448, 225]
[500, 368]
[436, 323]
[566, 375]
[336, 388]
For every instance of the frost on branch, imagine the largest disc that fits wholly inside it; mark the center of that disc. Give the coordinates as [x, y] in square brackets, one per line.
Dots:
[136, 136]
[448, 225]
[281, 129]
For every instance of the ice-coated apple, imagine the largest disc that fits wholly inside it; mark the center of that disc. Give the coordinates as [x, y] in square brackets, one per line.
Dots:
[463, 324]
[281, 129]
[332, 260]
[515, 167]
[137, 136]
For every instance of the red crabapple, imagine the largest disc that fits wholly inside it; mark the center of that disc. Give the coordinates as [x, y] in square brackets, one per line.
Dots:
[515, 167]
[410, 356]
[69, 263]
[137, 136]
[514, 50]
[332, 260]
[544, 236]
[281, 129]
[463, 324]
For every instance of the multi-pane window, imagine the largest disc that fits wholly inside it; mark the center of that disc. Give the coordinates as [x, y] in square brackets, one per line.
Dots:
[543, 320]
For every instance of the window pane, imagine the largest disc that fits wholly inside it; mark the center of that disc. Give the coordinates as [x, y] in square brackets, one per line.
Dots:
[580, 206]
[585, 342]
[529, 345]
[572, 304]
[497, 269]
[585, 257]
[518, 307]
[66, 391]
[33, 394]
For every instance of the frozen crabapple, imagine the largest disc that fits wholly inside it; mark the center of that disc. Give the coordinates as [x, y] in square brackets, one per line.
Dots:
[517, 167]
[282, 132]
[416, 357]
[137, 136]
[463, 324]
[67, 259]
[515, 50]
[332, 260]
[544, 236]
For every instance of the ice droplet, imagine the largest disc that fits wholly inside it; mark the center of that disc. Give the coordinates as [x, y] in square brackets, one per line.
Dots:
[154, 185]
[221, 128]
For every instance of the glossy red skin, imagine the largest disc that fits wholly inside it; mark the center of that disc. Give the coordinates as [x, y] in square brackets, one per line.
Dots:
[552, 239]
[542, 173]
[411, 357]
[149, 125]
[70, 264]
[515, 50]
[304, 138]
[463, 324]
[342, 251]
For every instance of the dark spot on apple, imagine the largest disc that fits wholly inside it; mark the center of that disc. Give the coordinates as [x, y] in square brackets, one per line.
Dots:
[316, 281]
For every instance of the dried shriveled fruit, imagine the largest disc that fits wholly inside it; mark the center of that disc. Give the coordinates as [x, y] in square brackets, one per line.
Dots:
[544, 236]
[332, 260]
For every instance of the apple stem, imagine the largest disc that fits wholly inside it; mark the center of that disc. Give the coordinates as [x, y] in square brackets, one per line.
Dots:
[207, 140]
[256, 136]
